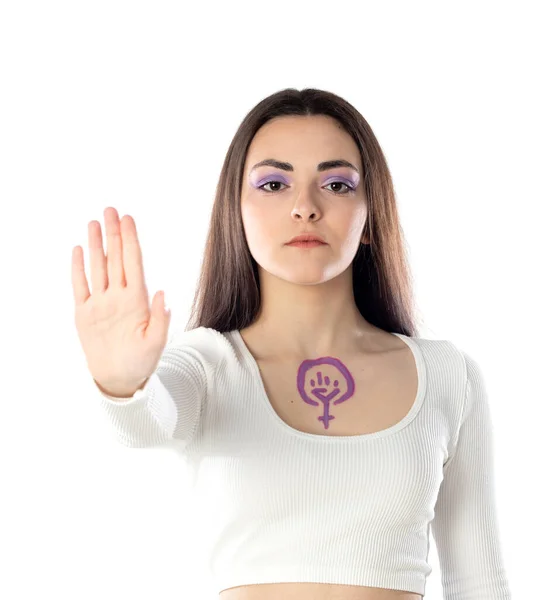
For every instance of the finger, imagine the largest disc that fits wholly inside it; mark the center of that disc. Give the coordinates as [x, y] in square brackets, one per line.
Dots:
[97, 258]
[114, 248]
[131, 252]
[79, 279]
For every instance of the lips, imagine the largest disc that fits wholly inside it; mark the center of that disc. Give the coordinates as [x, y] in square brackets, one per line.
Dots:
[306, 237]
[313, 244]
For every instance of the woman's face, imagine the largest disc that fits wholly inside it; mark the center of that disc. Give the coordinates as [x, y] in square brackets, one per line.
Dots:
[303, 199]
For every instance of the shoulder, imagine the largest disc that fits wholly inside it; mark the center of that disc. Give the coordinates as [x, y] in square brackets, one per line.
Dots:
[455, 369]
[209, 344]
[441, 355]
[446, 367]
[453, 358]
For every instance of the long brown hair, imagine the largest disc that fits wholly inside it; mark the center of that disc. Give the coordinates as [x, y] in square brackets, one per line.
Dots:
[227, 296]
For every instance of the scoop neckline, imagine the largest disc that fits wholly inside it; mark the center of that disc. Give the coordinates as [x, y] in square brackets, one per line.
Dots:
[341, 439]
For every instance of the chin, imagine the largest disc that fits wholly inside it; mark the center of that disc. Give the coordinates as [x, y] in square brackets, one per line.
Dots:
[303, 274]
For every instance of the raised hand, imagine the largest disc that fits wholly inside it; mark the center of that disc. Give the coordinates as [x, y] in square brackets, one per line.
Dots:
[122, 336]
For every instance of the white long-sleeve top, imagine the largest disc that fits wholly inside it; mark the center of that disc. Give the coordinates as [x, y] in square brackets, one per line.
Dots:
[283, 505]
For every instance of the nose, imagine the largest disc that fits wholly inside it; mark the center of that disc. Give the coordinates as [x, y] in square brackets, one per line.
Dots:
[299, 215]
[305, 210]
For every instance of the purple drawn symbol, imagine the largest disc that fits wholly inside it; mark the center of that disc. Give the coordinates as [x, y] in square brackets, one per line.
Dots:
[323, 383]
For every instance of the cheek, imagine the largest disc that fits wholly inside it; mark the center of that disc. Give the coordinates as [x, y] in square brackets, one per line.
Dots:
[351, 220]
[259, 222]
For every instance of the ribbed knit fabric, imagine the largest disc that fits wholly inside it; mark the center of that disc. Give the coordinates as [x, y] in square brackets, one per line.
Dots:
[283, 505]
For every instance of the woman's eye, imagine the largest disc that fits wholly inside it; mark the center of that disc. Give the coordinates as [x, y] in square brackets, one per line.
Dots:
[348, 190]
[262, 187]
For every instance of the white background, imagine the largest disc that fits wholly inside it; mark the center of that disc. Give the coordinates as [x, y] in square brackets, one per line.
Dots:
[133, 105]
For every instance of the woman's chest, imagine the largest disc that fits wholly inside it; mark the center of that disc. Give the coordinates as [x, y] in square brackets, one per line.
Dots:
[271, 460]
[334, 397]
[298, 435]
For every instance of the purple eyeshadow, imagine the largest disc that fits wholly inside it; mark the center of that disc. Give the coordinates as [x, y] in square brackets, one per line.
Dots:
[350, 182]
[278, 177]
[269, 178]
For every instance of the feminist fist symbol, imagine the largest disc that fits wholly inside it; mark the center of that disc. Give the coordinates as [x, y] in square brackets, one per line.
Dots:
[321, 385]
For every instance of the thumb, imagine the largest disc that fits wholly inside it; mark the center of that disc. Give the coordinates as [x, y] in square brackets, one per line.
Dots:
[160, 317]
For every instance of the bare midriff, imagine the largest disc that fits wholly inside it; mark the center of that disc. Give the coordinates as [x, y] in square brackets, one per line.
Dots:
[314, 591]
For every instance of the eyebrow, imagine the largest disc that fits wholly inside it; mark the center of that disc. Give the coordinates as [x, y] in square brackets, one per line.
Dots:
[323, 166]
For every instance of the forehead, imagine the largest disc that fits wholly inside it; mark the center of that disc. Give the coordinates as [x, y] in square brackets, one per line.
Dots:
[303, 141]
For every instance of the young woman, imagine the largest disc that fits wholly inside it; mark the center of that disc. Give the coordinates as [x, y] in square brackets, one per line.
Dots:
[327, 438]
